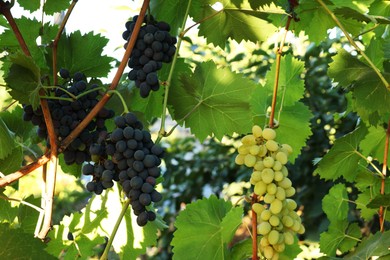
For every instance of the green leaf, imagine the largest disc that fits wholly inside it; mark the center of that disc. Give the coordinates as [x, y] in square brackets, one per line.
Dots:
[7, 213]
[343, 158]
[213, 101]
[228, 23]
[335, 203]
[291, 85]
[361, 203]
[172, 12]
[30, 5]
[241, 250]
[23, 79]
[7, 142]
[380, 8]
[375, 52]
[380, 200]
[291, 251]
[316, 22]
[374, 143]
[340, 235]
[369, 93]
[375, 245]
[73, 169]
[347, 12]
[15, 123]
[27, 216]
[20, 245]
[361, 6]
[204, 228]
[55, 6]
[12, 162]
[83, 53]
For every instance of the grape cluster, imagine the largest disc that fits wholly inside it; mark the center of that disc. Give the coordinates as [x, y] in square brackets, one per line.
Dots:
[67, 112]
[278, 222]
[134, 161]
[154, 46]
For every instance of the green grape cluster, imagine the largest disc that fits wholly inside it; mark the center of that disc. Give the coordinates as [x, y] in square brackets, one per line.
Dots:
[278, 222]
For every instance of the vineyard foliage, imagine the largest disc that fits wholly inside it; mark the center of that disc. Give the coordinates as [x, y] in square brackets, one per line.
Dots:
[329, 61]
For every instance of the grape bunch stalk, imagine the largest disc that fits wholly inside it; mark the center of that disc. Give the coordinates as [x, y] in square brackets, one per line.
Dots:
[127, 155]
[278, 222]
[154, 46]
[69, 104]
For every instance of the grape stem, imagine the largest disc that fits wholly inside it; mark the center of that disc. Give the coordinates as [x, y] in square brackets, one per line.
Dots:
[115, 229]
[125, 109]
[168, 82]
[279, 52]
[353, 43]
[91, 115]
[62, 89]
[382, 211]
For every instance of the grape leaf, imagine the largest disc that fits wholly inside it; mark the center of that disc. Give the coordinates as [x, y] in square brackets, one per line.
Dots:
[83, 53]
[55, 6]
[241, 250]
[335, 203]
[7, 213]
[23, 79]
[347, 12]
[15, 123]
[343, 158]
[204, 228]
[375, 52]
[73, 169]
[361, 203]
[291, 251]
[361, 6]
[228, 23]
[365, 178]
[379, 200]
[340, 235]
[213, 101]
[291, 85]
[374, 143]
[380, 8]
[370, 95]
[27, 216]
[16, 244]
[172, 12]
[31, 30]
[375, 245]
[12, 162]
[30, 5]
[316, 22]
[7, 142]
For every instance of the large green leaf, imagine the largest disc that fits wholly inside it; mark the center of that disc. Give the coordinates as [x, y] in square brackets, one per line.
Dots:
[12, 162]
[7, 213]
[340, 235]
[335, 203]
[16, 244]
[15, 123]
[23, 79]
[316, 22]
[230, 21]
[213, 101]
[28, 216]
[369, 93]
[380, 200]
[361, 6]
[83, 53]
[343, 158]
[7, 143]
[173, 11]
[374, 143]
[375, 245]
[204, 228]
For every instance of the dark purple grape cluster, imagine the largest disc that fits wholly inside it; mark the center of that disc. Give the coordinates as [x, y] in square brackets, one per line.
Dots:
[67, 115]
[128, 155]
[154, 46]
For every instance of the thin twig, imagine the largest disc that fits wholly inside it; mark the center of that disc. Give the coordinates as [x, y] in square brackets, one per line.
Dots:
[384, 173]
[279, 52]
[10, 178]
